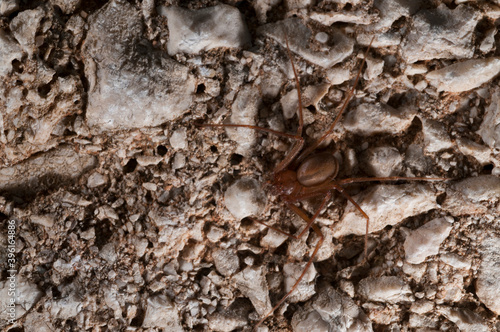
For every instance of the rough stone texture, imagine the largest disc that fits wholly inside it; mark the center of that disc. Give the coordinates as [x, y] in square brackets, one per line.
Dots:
[490, 127]
[385, 289]
[48, 170]
[487, 283]
[369, 119]
[298, 37]
[141, 239]
[204, 29]
[245, 198]
[382, 161]
[465, 75]
[441, 33]
[425, 241]
[132, 85]
[385, 205]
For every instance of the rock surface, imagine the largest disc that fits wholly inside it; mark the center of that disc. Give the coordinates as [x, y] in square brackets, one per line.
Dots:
[124, 213]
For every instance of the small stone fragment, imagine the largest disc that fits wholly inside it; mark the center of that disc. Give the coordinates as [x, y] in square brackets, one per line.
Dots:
[464, 76]
[44, 220]
[385, 205]
[382, 161]
[306, 287]
[244, 111]
[25, 26]
[9, 51]
[162, 313]
[131, 85]
[226, 261]
[96, 179]
[26, 295]
[245, 198]
[435, 136]
[369, 119]
[299, 37]
[7, 7]
[46, 170]
[458, 262]
[465, 319]
[490, 127]
[425, 241]
[67, 307]
[387, 289]
[178, 140]
[488, 283]
[252, 284]
[441, 33]
[330, 311]
[193, 31]
[148, 160]
[67, 6]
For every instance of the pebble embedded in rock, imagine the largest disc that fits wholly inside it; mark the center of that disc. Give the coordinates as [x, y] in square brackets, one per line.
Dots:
[299, 36]
[487, 282]
[96, 179]
[226, 261]
[178, 140]
[441, 33]
[489, 129]
[387, 289]
[9, 51]
[244, 111]
[465, 75]
[245, 198]
[306, 287]
[425, 240]
[193, 31]
[27, 294]
[435, 136]
[385, 205]
[24, 28]
[369, 119]
[252, 283]
[330, 310]
[132, 85]
[382, 161]
[162, 313]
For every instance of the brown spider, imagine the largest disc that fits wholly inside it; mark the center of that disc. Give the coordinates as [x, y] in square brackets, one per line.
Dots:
[305, 173]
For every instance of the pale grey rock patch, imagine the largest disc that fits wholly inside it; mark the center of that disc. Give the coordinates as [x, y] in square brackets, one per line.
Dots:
[306, 287]
[67, 307]
[422, 306]
[330, 310]
[441, 33]
[488, 283]
[465, 319]
[46, 170]
[145, 161]
[299, 36]
[44, 220]
[244, 111]
[435, 136]
[26, 295]
[273, 239]
[226, 261]
[479, 188]
[252, 283]
[387, 289]
[490, 127]
[465, 75]
[245, 198]
[369, 119]
[162, 313]
[178, 140]
[24, 28]
[480, 152]
[488, 42]
[382, 161]
[193, 31]
[96, 179]
[425, 240]
[9, 51]
[132, 85]
[458, 262]
[311, 96]
[385, 205]
[8, 6]
[39, 322]
[338, 75]
[374, 67]
[108, 253]
[391, 11]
